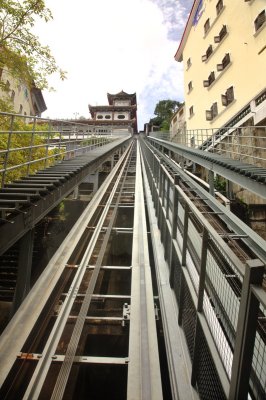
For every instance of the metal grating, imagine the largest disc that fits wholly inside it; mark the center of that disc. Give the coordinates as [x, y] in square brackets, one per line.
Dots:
[258, 372]
[188, 318]
[207, 378]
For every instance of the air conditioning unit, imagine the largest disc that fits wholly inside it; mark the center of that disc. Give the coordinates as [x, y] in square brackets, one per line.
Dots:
[220, 67]
[204, 58]
[217, 39]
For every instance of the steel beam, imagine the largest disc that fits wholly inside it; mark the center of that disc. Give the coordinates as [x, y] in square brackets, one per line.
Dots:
[144, 379]
[13, 230]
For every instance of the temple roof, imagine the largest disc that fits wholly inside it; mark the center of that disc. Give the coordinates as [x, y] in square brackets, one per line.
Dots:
[122, 96]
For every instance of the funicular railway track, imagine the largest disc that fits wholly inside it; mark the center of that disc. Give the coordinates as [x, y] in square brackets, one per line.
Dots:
[94, 332]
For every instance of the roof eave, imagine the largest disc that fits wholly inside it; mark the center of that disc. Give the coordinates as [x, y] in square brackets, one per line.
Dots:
[179, 53]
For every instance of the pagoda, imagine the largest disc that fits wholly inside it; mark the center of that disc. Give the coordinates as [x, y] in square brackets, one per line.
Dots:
[120, 113]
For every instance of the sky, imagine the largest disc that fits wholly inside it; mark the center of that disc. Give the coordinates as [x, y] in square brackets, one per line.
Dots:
[113, 45]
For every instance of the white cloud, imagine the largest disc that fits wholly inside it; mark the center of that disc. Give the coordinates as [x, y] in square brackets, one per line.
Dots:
[107, 46]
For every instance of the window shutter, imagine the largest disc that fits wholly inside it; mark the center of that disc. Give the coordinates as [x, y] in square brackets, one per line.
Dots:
[224, 100]
[208, 115]
[230, 94]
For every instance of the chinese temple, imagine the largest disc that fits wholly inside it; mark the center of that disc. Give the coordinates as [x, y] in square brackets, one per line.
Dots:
[120, 113]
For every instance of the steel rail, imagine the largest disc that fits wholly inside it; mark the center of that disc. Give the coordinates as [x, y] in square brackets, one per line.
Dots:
[144, 380]
[65, 369]
[40, 373]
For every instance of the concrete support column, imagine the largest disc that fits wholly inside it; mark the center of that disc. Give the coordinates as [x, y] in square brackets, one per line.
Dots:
[76, 192]
[24, 269]
[112, 161]
[94, 179]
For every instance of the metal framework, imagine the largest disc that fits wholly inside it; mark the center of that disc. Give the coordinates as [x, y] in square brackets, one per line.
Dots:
[81, 294]
[219, 294]
[211, 294]
[250, 177]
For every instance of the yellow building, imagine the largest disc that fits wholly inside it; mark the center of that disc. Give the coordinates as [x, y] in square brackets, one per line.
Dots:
[25, 100]
[224, 53]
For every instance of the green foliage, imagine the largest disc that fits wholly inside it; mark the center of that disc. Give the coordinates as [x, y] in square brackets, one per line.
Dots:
[21, 138]
[21, 52]
[164, 111]
[220, 184]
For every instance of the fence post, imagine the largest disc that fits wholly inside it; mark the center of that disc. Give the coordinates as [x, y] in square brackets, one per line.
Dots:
[7, 150]
[174, 229]
[246, 331]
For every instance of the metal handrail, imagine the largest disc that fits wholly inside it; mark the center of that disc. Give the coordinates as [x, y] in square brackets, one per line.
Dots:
[247, 143]
[29, 143]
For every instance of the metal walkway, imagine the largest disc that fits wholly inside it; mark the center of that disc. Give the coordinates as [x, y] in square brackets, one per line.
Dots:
[248, 176]
[26, 201]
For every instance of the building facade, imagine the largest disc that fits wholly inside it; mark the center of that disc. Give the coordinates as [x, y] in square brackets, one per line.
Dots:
[24, 99]
[178, 125]
[120, 114]
[223, 49]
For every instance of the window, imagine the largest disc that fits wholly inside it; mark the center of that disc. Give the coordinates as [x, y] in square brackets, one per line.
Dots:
[26, 93]
[219, 7]
[190, 87]
[99, 117]
[225, 61]
[228, 97]
[260, 20]
[107, 117]
[191, 111]
[121, 116]
[222, 34]
[1, 73]
[20, 109]
[7, 86]
[207, 26]
[12, 95]
[210, 80]
[189, 62]
[212, 113]
[208, 53]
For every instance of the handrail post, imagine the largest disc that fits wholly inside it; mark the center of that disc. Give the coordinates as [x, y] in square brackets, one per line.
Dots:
[246, 331]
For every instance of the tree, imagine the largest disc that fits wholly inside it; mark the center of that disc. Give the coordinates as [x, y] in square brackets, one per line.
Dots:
[164, 111]
[21, 52]
[21, 138]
